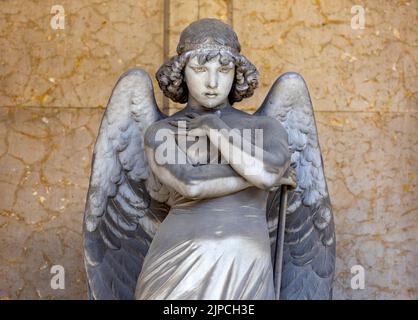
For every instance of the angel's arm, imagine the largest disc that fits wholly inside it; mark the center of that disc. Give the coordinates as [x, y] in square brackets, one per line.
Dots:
[195, 182]
[262, 162]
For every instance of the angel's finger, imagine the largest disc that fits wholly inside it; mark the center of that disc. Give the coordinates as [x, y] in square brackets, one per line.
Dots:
[192, 125]
[192, 115]
[182, 119]
[288, 181]
[294, 175]
[180, 123]
[196, 132]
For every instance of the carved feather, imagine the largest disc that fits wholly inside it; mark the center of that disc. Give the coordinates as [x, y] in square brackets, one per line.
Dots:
[309, 240]
[121, 217]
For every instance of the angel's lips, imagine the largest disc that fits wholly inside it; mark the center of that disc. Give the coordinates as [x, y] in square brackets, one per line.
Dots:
[211, 95]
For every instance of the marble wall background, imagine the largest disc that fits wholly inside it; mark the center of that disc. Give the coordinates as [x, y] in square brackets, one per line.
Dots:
[54, 85]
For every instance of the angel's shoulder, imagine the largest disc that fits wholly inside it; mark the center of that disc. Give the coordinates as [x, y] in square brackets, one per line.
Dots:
[269, 122]
[273, 130]
[156, 130]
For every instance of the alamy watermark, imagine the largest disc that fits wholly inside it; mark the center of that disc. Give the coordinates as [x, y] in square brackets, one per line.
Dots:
[58, 20]
[58, 278]
[235, 144]
[358, 280]
[358, 21]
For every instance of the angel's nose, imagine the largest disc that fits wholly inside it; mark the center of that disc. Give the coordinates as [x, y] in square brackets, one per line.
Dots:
[212, 80]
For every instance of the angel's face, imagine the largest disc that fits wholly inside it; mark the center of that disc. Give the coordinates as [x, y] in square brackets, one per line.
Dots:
[209, 84]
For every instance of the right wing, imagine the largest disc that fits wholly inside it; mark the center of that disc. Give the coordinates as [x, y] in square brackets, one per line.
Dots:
[121, 217]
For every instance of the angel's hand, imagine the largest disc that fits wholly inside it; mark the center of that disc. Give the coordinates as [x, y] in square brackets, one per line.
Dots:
[290, 178]
[193, 124]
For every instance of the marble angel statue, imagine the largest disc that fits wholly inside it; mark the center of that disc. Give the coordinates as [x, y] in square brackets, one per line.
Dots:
[216, 220]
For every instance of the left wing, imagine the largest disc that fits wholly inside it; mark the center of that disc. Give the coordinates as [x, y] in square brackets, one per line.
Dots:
[308, 248]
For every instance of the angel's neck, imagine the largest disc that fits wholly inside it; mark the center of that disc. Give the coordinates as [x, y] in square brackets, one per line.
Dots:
[201, 109]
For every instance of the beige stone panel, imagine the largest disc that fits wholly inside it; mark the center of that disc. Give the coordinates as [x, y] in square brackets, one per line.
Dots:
[25, 148]
[43, 200]
[77, 66]
[11, 169]
[373, 69]
[182, 13]
[3, 131]
[371, 164]
[217, 9]
[12, 256]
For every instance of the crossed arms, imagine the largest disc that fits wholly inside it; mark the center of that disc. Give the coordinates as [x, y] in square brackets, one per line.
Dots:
[263, 168]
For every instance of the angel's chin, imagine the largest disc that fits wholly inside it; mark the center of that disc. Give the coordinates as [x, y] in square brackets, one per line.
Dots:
[212, 105]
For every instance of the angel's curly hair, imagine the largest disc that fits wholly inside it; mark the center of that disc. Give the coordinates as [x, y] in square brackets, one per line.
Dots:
[170, 75]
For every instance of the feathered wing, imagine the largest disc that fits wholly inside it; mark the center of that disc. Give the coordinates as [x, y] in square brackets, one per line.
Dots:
[308, 248]
[121, 217]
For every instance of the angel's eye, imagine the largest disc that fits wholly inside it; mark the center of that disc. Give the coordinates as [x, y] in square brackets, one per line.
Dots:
[199, 69]
[224, 69]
